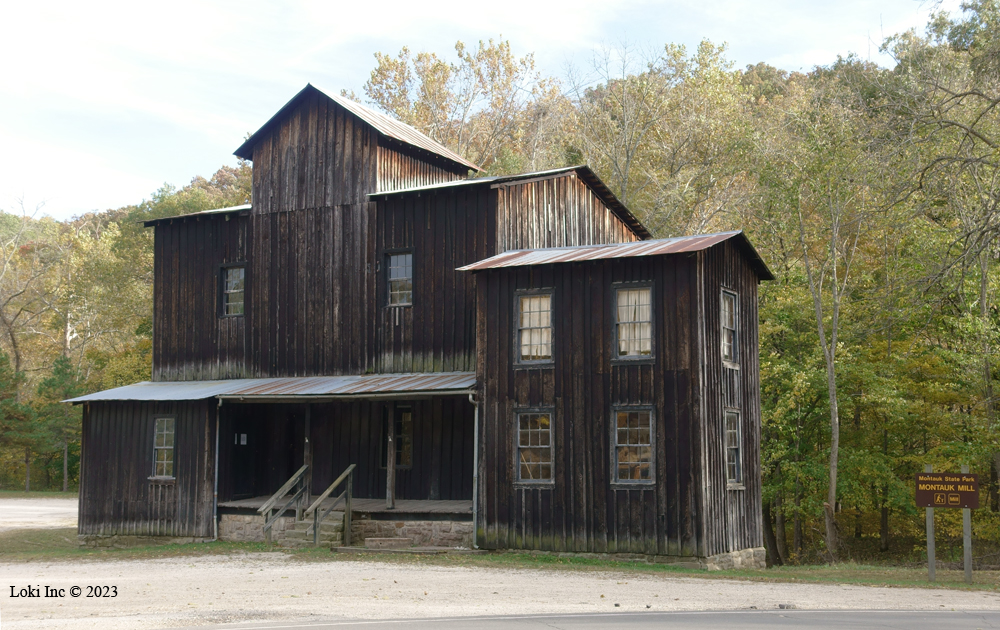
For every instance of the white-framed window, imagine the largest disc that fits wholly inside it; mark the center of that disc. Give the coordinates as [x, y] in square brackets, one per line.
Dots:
[534, 328]
[163, 446]
[734, 461]
[729, 330]
[633, 322]
[232, 284]
[633, 443]
[399, 274]
[533, 447]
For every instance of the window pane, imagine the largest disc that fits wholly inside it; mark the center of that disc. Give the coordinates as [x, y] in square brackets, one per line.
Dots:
[633, 449]
[534, 450]
[535, 327]
[634, 326]
[400, 275]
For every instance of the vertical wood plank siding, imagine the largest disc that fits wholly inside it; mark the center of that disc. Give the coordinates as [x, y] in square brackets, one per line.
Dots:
[117, 496]
[401, 167]
[555, 212]
[732, 516]
[190, 340]
[583, 510]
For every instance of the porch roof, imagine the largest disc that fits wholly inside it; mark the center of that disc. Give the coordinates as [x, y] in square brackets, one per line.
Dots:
[294, 388]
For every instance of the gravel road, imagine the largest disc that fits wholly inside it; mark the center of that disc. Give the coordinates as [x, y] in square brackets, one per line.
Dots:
[36, 513]
[274, 587]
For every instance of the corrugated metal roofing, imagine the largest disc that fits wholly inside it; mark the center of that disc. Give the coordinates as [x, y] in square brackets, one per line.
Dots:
[582, 170]
[243, 209]
[384, 124]
[309, 386]
[678, 245]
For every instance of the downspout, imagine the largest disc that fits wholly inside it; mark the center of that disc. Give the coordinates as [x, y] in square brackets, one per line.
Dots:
[475, 471]
[215, 494]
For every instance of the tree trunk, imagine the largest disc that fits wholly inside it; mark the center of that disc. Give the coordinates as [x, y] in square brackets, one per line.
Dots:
[883, 528]
[779, 527]
[65, 466]
[831, 495]
[797, 522]
[773, 559]
[27, 469]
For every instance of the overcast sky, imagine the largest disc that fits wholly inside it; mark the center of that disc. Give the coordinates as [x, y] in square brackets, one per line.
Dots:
[101, 103]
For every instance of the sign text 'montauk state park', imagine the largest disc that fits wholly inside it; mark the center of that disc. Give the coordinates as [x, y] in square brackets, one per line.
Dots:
[947, 490]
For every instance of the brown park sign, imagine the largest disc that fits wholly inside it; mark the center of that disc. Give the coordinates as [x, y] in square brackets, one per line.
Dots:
[947, 490]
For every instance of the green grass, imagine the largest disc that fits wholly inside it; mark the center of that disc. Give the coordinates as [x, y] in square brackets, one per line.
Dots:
[32, 545]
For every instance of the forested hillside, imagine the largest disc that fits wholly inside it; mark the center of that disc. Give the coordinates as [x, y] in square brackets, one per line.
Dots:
[871, 192]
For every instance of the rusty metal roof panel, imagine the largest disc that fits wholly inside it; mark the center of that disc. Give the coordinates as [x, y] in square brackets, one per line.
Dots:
[678, 245]
[310, 386]
[384, 124]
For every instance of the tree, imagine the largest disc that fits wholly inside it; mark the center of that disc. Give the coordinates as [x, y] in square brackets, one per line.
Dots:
[61, 421]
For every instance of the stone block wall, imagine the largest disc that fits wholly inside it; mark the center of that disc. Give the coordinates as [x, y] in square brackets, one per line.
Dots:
[250, 527]
[423, 533]
[755, 558]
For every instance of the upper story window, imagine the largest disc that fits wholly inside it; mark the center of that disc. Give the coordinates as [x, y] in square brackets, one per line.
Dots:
[400, 276]
[534, 447]
[633, 446]
[734, 460]
[729, 326]
[232, 282]
[163, 447]
[634, 322]
[534, 328]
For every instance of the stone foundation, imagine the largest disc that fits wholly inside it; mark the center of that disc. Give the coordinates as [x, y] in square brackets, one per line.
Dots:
[250, 527]
[117, 541]
[755, 558]
[423, 533]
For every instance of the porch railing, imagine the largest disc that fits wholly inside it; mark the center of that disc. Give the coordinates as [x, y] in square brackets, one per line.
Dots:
[318, 513]
[271, 513]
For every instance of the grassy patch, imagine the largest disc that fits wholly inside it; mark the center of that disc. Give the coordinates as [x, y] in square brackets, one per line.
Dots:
[29, 545]
[21, 494]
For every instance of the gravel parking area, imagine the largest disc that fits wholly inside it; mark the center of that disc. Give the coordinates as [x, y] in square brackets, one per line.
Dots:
[36, 513]
[277, 587]
[205, 590]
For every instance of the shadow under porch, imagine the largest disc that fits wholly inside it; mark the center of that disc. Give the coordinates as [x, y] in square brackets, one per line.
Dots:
[261, 445]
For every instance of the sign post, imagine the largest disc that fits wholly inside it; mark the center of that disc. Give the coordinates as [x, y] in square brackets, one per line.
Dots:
[948, 490]
[967, 535]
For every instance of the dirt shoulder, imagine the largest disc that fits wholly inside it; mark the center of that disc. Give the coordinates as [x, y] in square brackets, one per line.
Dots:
[35, 513]
[190, 591]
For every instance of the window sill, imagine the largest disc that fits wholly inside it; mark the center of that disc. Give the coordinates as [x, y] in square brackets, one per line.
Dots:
[539, 365]
[735, 486]
[633, 360]
[730, 364]
[167, 480]
[529, 485]
[398, 305]
[631, 485]
[231, 316]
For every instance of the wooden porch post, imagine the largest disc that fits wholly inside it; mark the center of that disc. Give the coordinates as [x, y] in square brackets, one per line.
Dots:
[307, 460]
[390, 458]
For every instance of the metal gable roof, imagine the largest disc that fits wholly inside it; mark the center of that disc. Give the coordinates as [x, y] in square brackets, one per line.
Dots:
[291, 387]
[384, 124]
[678, 245]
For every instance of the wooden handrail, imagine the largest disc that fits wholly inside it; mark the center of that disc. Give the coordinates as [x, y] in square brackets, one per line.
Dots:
[283, 490]
[328, 491]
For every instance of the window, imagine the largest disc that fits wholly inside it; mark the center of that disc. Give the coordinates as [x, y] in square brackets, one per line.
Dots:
[534, 328]
[728, 326]
[403, 438]
[400, 274]
[534, 447]
[233, 284]
[633, 446]
[634, 322]
[734, 467]
[163, 448]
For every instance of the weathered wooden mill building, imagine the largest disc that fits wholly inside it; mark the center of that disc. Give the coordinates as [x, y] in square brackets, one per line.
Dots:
[507, 362]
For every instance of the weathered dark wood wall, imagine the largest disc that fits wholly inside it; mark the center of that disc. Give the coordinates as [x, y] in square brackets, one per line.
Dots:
[400, 166]
[732, 515]
[583, 510]
[190, 340]
[117, 495]
[555, 212]
[455, 226]
[348, 433]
